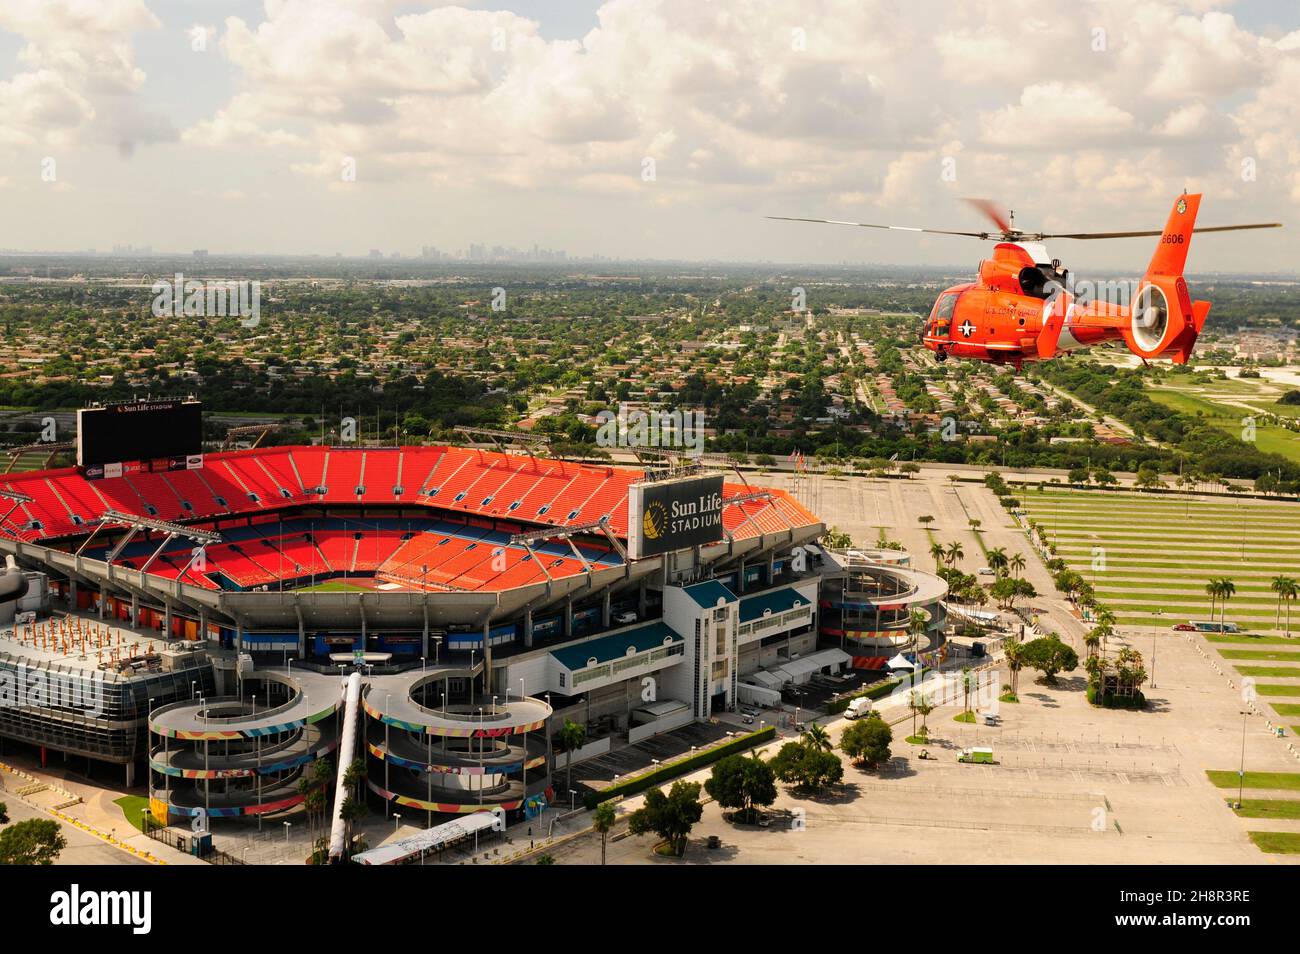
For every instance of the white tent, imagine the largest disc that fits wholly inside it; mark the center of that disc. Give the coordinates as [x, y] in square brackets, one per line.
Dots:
[900, 662]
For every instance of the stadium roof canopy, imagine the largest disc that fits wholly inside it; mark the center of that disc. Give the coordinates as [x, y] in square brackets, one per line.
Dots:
[603, 649]
[776, 601]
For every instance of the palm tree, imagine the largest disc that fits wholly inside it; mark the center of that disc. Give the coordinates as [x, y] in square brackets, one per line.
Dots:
[1212, 591]
[1092, 639]
[1015, 653]
[955, 552]
[572, 735]
[1227, 591]
[1292, 590]
[925, 520]
[816, 737]
[352, 810]
[918, 621]
[602, 820]
[1280, 585]
[998, 561]
[913, 702]
[967, 687]
[1017, 564]
[937, 552]
[920, 704]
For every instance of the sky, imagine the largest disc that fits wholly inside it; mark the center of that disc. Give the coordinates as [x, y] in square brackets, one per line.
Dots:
[661, 129]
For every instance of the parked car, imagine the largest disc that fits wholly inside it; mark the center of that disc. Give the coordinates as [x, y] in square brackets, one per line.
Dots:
[985, 571]
[1185, 627]
[624, 618]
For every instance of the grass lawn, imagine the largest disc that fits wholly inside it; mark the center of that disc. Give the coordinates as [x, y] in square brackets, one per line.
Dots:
[1289, 781]
[1286, 708]
[1277, 842]
[1268, 807]
[334, 586]
[1276, 689]
[1269, 670]
[967, 717]
[1268, 438]
[132, 806]
[1252, 638]
[1263, 654]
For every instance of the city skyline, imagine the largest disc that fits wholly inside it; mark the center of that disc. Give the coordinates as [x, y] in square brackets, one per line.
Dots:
[651, 131]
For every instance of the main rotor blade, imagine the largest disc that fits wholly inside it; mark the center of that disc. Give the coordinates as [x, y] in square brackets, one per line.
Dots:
[868, 225]
[992, 212]
[1111, 235]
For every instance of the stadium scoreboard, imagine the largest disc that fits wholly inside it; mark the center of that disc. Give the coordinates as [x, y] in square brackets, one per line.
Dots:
[139, 430]
[673, 514]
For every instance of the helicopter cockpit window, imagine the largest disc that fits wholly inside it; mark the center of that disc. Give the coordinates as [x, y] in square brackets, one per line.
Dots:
[944, 308]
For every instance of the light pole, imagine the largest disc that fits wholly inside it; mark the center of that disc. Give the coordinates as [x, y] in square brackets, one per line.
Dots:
[1154, 628]
[1241, 772]
[287, 826]
[397, 820]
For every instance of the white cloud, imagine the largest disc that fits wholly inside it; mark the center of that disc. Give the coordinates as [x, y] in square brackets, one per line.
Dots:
[78, 82]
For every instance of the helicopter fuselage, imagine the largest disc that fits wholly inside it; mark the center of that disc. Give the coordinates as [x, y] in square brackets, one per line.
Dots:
[1000, 317]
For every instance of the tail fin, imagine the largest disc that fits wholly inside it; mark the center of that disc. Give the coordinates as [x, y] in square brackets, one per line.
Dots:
[1171, 254]
[1164, 322]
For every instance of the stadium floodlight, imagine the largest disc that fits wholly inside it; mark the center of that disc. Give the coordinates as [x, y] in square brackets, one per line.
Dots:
[18, 499]
[567, 533]
[162, 526]
[523, 438]
[49, 448]
[671, 463]
[261, 430]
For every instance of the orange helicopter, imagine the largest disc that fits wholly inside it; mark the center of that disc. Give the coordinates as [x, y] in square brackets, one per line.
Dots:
[1025, 307]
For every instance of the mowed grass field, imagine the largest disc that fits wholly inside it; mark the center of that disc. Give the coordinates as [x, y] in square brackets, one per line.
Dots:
[1154, 554]
[1209, 401]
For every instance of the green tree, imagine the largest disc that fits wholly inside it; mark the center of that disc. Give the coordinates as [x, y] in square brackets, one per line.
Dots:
[742, 782]
[1015, 656]
[1049, 656]
[602, 820]
[37, 841]
[351, 811]
[919, 703]
[571, 735]
[998, 560]
[670, 816]
[817, 737]
[807, 768]
[938, 553]
[867, 741]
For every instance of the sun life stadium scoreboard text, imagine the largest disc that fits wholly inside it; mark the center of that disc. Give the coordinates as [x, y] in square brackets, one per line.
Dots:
[138, 430]
[673, 514]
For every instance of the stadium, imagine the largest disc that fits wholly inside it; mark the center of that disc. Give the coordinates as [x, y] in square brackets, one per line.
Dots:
[214, 608]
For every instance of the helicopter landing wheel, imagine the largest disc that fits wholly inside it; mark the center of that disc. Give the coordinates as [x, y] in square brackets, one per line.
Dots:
[940, 355]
